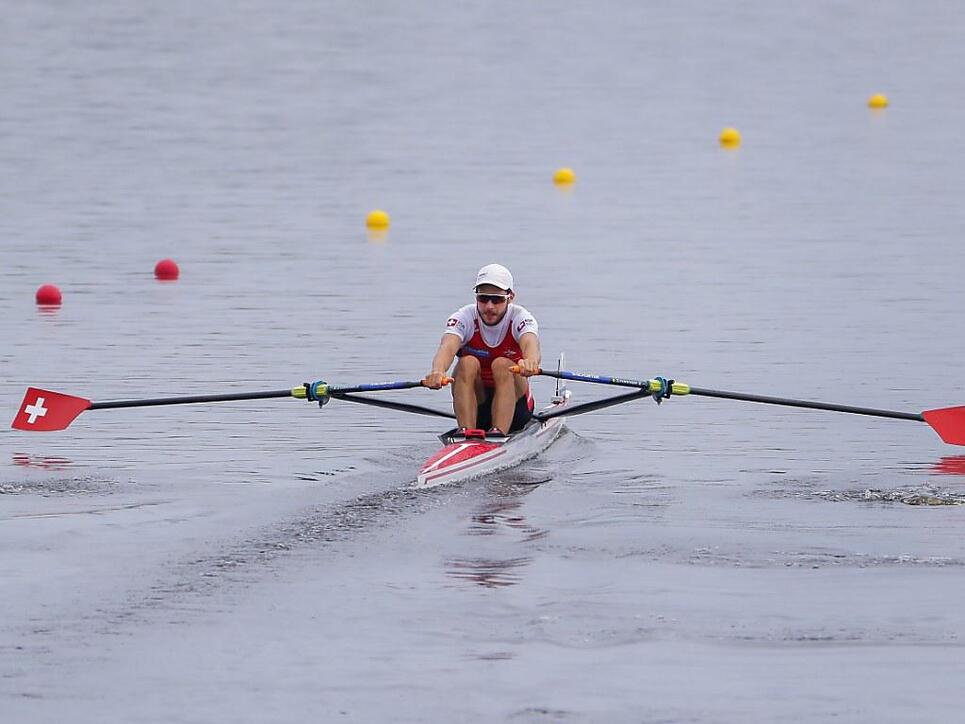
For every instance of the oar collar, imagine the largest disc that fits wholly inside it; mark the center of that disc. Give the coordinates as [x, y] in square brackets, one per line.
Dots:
[317, 392]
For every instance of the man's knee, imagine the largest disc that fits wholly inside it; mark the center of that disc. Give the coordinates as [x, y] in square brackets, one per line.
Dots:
[467, 369]
[502, 367]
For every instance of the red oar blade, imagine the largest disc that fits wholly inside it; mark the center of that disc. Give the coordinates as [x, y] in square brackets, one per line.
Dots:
[44, 411]
[949, 423]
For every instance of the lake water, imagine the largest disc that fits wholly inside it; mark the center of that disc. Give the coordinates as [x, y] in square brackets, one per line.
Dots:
[701, 561]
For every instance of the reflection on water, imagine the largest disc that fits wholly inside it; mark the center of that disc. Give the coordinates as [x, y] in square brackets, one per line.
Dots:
[377, 236]
[952, 465]
[494, 516]
[47, 462]
[487, 572]
[492, 519]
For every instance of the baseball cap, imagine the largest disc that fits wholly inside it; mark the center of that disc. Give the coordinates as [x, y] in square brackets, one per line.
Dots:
[495, 274]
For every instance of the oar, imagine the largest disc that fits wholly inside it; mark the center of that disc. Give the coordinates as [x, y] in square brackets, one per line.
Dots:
[45, 410]
[393, 405]
[570, 410]
[948, 422]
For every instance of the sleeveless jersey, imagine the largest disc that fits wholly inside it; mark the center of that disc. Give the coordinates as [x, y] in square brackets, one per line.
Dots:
[486, 343]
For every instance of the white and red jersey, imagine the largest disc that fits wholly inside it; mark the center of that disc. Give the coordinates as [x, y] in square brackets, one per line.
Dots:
[486, 343]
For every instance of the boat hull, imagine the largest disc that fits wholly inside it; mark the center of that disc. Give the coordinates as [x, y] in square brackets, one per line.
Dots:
[461, 460]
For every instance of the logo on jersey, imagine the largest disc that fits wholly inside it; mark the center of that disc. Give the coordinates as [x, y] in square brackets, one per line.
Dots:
[452, 322]
[523, 324]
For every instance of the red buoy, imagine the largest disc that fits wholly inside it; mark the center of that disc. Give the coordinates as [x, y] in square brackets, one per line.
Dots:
[49, 295]
[166, 270]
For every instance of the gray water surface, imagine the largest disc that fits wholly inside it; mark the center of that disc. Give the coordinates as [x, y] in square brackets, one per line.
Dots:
[700, 561]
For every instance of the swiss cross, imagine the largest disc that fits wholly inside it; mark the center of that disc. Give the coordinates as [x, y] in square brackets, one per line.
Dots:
[35, 410]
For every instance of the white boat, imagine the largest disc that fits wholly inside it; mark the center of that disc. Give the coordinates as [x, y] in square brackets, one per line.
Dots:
[464, 458]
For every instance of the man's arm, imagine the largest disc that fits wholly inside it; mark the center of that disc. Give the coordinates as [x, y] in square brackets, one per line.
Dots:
[443, 358]
[529, 345]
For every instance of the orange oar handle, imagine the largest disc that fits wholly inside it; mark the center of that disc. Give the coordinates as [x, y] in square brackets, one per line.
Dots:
[516, 369]
[445, 381]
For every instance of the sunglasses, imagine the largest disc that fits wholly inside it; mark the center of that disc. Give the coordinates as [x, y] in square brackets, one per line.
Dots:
[494, 298]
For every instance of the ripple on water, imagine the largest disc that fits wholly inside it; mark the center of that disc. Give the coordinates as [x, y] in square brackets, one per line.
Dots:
[815, 558]
[55, 487]
[918, 495]
[540, 713]
[317, 475]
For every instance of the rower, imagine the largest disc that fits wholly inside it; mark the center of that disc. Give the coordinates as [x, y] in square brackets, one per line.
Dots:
[489, 337]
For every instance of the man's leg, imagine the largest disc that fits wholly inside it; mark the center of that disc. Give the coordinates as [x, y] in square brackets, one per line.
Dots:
[467, 390]
[522, 412]
[508, 388]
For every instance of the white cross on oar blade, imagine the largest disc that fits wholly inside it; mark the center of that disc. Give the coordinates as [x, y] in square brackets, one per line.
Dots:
[46, 411]
[35, 410]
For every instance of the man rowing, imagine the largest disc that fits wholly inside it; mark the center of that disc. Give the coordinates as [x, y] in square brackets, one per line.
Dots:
[489, 338]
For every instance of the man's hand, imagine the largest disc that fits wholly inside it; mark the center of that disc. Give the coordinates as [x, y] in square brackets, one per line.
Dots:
[528, 367]
[435, 380]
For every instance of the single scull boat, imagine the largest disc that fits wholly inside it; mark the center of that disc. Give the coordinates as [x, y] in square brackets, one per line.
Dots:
[464, 457]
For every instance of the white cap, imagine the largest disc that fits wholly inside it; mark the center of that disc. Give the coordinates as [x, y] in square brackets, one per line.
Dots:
[495, 274]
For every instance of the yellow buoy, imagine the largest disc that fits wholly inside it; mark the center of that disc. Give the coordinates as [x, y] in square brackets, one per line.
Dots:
[878, 100]
[564, 176]
[730, 137]
[377, 219]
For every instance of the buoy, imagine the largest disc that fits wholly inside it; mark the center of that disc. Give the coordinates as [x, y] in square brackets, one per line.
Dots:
[564, 176]
[730, 137]
[878, 100]
[49, 295]
[377, 219]
[166, 270]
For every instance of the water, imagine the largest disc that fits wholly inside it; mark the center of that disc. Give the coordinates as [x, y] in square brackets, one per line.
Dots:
[703, 561]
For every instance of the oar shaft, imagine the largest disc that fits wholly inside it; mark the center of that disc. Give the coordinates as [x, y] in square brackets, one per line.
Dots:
[591, 406]
[191, 399]
[598, 379]
[679, 388]
[297, 392]
[393, 405]
[322, 389]
[767, 400]
[378, 387]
